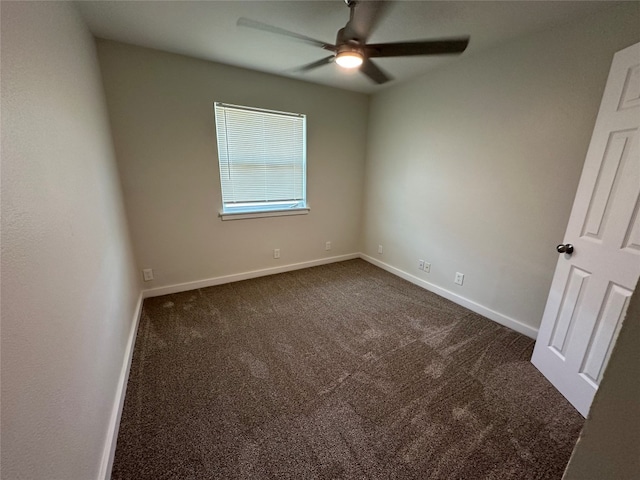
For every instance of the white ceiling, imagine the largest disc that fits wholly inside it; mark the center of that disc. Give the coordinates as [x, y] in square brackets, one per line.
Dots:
[207, 30]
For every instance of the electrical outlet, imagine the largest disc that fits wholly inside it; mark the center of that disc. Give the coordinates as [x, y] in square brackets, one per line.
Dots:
[276, 253]
[427, 267]
[147, 274]
[459, 278]
[327, 246]
[420, 264]
[380, 249]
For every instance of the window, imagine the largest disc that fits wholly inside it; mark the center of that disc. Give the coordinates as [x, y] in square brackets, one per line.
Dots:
[262, 156]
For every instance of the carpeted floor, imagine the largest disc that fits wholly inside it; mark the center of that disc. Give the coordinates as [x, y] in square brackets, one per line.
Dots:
[338, 371]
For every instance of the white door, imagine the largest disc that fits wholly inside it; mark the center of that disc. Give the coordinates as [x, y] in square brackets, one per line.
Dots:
[591, 287]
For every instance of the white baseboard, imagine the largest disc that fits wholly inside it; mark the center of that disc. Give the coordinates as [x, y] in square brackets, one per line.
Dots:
[114, 422]
[210, 282]
[455, 298]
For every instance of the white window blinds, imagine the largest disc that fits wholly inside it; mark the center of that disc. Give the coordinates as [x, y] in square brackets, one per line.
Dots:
[262, 156]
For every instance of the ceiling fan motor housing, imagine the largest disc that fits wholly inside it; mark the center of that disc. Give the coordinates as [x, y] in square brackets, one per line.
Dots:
[347, 35]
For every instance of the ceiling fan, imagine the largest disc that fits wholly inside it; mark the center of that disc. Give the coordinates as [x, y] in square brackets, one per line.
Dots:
[351, 49]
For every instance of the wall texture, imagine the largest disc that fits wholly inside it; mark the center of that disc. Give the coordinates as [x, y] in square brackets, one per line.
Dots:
[474, 167]
[68, 286]
[161, 109]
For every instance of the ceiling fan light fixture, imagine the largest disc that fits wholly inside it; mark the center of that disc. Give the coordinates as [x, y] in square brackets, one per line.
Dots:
[349, 59]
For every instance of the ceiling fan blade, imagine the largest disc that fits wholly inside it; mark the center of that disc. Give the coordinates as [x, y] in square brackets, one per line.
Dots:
[316, 64]
[426, 47]
[365, 17]
[374, 72]
[247, 22]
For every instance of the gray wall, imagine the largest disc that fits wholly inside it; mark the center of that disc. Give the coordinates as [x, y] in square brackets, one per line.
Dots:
[68, 290]
[474, 167]
[161, 109]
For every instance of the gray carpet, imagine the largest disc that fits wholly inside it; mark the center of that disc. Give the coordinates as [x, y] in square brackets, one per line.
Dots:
[339, 371]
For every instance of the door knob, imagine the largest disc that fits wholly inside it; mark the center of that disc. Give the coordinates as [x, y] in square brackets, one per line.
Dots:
[566, 248]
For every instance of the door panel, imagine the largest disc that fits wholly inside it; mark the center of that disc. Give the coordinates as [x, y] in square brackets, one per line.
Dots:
[632, 239]
[605, 332]
[575, 286]
[631, 93]
[607, 185]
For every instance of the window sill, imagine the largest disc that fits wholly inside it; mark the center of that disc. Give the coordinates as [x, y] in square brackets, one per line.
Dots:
[270, 213]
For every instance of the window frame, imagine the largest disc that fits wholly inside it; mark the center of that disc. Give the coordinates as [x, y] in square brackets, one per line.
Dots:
[252, 209]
